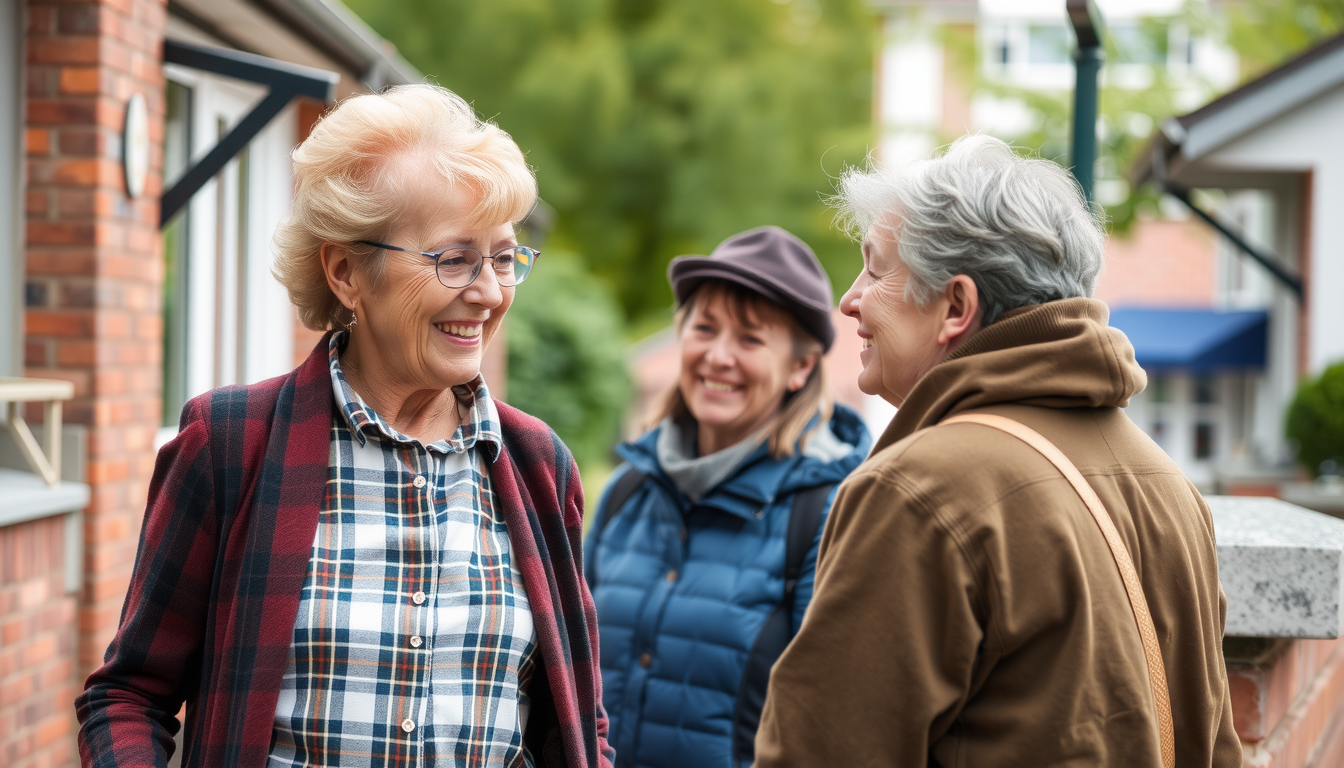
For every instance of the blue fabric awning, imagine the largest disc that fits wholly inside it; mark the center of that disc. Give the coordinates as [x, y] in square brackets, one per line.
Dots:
[1195, 339]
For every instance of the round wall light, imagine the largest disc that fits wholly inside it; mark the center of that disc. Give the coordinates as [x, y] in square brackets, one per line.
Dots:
[135, 145]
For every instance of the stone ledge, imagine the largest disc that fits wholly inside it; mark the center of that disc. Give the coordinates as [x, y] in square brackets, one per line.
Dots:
[26, 497]
[1281, 566]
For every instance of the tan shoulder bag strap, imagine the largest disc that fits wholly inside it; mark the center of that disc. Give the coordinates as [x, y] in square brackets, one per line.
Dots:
[1157, 674]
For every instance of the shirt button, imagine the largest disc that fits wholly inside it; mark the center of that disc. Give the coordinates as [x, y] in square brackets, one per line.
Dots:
[415, 641]
[419, 481]
[408, 725]
[645, 659]
[672, 575]
[418, 598]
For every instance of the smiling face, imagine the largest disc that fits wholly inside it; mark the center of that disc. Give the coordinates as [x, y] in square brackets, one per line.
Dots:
[901, 340]
[413, 333]
[736, 367]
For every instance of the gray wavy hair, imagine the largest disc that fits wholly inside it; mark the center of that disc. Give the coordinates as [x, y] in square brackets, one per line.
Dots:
[1019, 227]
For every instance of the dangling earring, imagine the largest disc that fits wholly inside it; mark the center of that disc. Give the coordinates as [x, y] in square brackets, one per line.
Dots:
[354, 319]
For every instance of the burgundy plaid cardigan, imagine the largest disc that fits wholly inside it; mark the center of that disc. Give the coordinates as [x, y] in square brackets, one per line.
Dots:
[228, 532]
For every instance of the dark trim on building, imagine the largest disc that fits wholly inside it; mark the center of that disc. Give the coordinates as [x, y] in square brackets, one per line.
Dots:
[286, 81]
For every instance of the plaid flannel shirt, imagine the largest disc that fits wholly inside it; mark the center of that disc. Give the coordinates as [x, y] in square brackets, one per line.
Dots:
[229, 528]
[413, 642]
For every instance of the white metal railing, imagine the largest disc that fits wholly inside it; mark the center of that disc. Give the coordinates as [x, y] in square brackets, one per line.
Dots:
[43, 493]
[14, 392]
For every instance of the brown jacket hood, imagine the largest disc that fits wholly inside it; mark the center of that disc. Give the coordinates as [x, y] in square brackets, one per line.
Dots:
[1058, 355]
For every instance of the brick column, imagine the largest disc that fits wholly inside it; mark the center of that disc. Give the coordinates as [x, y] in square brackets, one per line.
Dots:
[94, 269]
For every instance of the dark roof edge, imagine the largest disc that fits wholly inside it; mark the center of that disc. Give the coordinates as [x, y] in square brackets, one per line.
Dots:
[336, 30]
[1267, 80]
[1172, 131]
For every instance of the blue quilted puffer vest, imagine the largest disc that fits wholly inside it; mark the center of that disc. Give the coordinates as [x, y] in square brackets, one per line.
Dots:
[683, 591]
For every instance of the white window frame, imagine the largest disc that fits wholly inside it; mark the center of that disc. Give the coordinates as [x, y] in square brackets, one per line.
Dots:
[239, 321]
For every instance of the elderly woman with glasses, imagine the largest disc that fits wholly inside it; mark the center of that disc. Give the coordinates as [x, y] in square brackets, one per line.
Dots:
[370, 560]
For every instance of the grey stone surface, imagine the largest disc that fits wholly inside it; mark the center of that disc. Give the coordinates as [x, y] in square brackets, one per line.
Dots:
[1281, 566]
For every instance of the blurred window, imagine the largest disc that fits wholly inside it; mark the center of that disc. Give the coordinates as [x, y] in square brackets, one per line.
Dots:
[1159, 389]
[1048, 44]
[176, 152]
[1206, 393]
[1203, 441]
[1140, 43]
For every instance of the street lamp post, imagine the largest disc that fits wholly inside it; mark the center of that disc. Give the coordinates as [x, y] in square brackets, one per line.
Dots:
[1087, 28]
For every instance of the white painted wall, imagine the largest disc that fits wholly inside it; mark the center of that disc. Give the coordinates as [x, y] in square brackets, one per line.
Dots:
[910, 89]
[1301, 140]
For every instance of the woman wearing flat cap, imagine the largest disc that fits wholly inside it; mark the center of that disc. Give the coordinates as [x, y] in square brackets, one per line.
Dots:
[369, 561]
[702, 553]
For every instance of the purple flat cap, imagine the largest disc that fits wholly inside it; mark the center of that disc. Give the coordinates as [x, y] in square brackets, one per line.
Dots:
[771, 262]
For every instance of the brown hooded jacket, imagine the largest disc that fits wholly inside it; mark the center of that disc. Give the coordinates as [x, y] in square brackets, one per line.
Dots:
[967, 609]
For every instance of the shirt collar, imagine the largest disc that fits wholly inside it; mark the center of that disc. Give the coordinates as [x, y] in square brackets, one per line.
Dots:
[480, 427]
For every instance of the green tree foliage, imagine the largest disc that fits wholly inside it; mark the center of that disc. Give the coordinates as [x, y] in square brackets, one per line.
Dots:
[659, 127]
[567, 356]
[1267, 32]
[1316, 419]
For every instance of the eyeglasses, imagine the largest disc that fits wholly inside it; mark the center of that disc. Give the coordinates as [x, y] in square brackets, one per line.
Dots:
[460, 265]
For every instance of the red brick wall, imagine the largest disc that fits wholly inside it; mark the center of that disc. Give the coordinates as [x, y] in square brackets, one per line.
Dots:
[37, 646]
[1289, 708]
[94, 275]
[1160, 264]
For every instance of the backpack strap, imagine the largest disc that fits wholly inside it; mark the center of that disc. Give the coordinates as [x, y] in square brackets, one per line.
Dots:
[620, 493]
[1157, 672]
[804, 520]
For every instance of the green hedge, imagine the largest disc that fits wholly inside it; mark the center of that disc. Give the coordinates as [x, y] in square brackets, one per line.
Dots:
[1316, 419]
[566, 356]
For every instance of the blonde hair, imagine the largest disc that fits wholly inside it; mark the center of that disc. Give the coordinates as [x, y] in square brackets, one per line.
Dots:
[788, 429]
[349, 182]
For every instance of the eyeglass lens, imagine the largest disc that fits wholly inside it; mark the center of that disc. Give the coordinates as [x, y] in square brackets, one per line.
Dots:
[458, 267]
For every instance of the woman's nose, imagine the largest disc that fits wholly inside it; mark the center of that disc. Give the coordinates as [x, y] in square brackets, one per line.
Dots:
[718, 352]
[485, 289]
[849, 303]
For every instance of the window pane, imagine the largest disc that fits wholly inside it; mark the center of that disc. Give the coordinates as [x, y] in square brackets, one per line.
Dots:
[1203, 441]
[1048, 44]
[1205, 391]
[1158, 389]
[1140, 43]
[176, 152]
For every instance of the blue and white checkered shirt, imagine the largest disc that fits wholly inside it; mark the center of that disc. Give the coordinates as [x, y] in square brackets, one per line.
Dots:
[414, 639]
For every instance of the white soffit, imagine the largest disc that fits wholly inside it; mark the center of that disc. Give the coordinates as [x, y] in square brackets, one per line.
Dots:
[1262, 105]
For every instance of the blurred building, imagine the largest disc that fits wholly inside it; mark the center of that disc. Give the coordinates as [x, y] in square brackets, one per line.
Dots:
[1272, 147]
[110, 321]
[1215, 332]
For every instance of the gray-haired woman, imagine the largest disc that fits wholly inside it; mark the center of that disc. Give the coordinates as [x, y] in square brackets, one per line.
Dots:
[968, 608]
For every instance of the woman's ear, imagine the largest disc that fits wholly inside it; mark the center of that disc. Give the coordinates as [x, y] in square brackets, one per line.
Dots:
[802, 369]
[962, 313]
[341, 274]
